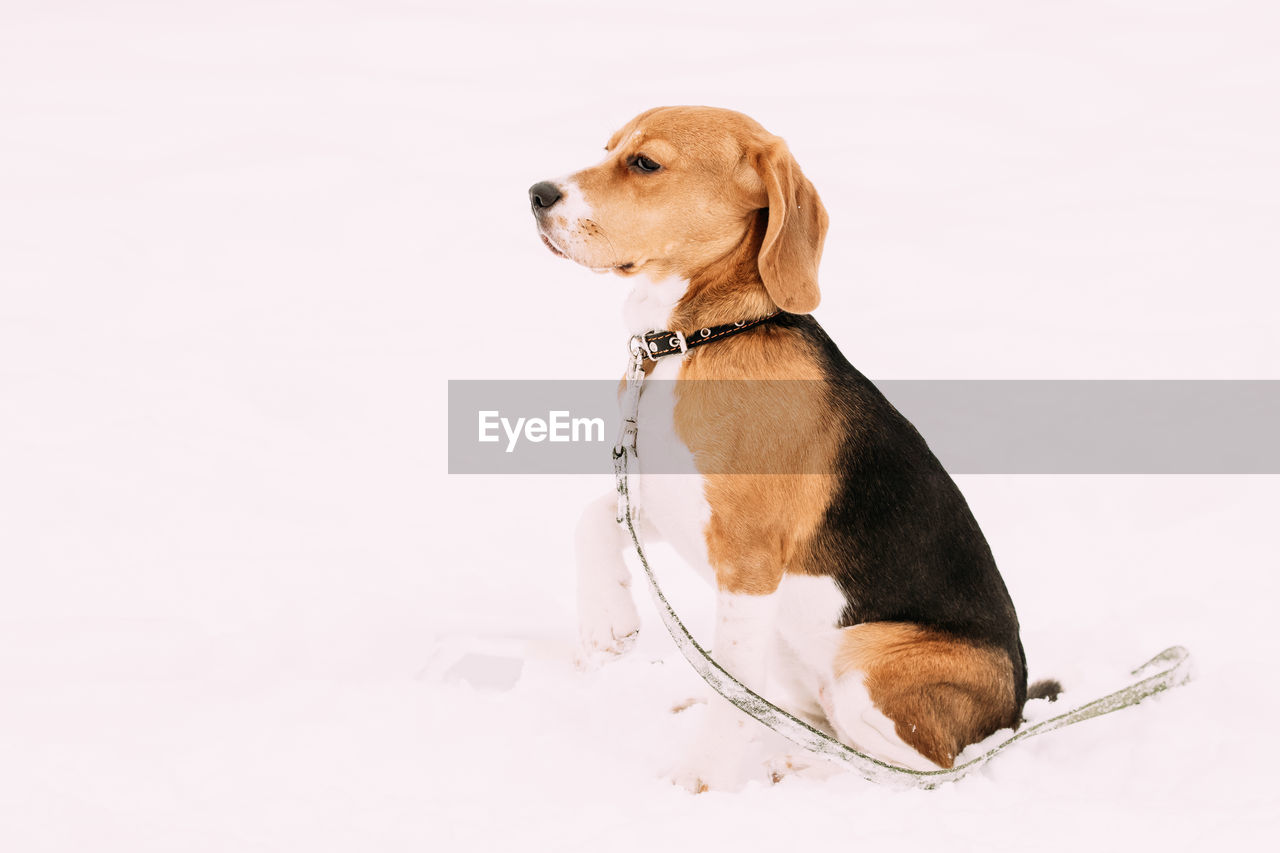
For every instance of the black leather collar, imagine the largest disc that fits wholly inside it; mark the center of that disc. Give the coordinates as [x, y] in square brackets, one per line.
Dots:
[656, 344]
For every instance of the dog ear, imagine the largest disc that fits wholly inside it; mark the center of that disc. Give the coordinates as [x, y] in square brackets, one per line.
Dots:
[792, 246]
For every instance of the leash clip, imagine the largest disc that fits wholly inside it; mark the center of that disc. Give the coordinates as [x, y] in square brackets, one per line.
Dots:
[641, 346]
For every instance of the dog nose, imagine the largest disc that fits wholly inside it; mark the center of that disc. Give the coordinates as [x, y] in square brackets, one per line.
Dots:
[543, 194]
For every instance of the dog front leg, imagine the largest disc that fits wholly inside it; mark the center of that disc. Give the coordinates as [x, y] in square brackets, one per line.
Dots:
[607, 619]
[727, 753]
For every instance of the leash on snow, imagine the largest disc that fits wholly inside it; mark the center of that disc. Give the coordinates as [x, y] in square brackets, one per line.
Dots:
[1170, 668]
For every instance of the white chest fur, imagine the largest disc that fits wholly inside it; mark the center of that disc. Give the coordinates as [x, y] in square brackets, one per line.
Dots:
[649, 303]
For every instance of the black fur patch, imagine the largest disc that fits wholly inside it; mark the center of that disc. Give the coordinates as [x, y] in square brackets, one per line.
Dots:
[899, 537]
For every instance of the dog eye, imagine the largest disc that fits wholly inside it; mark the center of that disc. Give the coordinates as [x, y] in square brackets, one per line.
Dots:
[644, 164]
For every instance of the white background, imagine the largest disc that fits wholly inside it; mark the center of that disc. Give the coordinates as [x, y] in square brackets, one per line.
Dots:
[244, 245]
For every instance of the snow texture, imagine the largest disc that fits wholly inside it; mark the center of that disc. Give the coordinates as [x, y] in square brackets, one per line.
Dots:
[244, 245]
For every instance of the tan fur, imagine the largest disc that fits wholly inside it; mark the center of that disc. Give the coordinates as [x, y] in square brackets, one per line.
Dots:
[941, 693]
[719, 170]
[763, 437]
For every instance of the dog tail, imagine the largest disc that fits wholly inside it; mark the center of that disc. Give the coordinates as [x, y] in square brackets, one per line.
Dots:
[1047, 688]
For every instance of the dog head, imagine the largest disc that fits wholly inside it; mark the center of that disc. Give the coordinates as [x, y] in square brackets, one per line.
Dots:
[681, 188]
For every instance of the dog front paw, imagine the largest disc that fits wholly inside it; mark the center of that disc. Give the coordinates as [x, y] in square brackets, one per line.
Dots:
[608, 622]
[598, 649]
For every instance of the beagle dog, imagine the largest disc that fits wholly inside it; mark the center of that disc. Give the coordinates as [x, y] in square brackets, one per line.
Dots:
[853, 586]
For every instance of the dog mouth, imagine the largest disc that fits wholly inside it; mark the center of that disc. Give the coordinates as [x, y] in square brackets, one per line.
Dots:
[551, 246]
[627, 267]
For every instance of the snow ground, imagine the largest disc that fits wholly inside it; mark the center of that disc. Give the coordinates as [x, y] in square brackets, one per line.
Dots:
[244, 245]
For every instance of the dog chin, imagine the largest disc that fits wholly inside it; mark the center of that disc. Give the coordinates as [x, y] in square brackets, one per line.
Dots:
[624, 270]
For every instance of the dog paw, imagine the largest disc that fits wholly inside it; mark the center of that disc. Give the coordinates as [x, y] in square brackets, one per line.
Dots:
[597, 649]
[608, 623]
